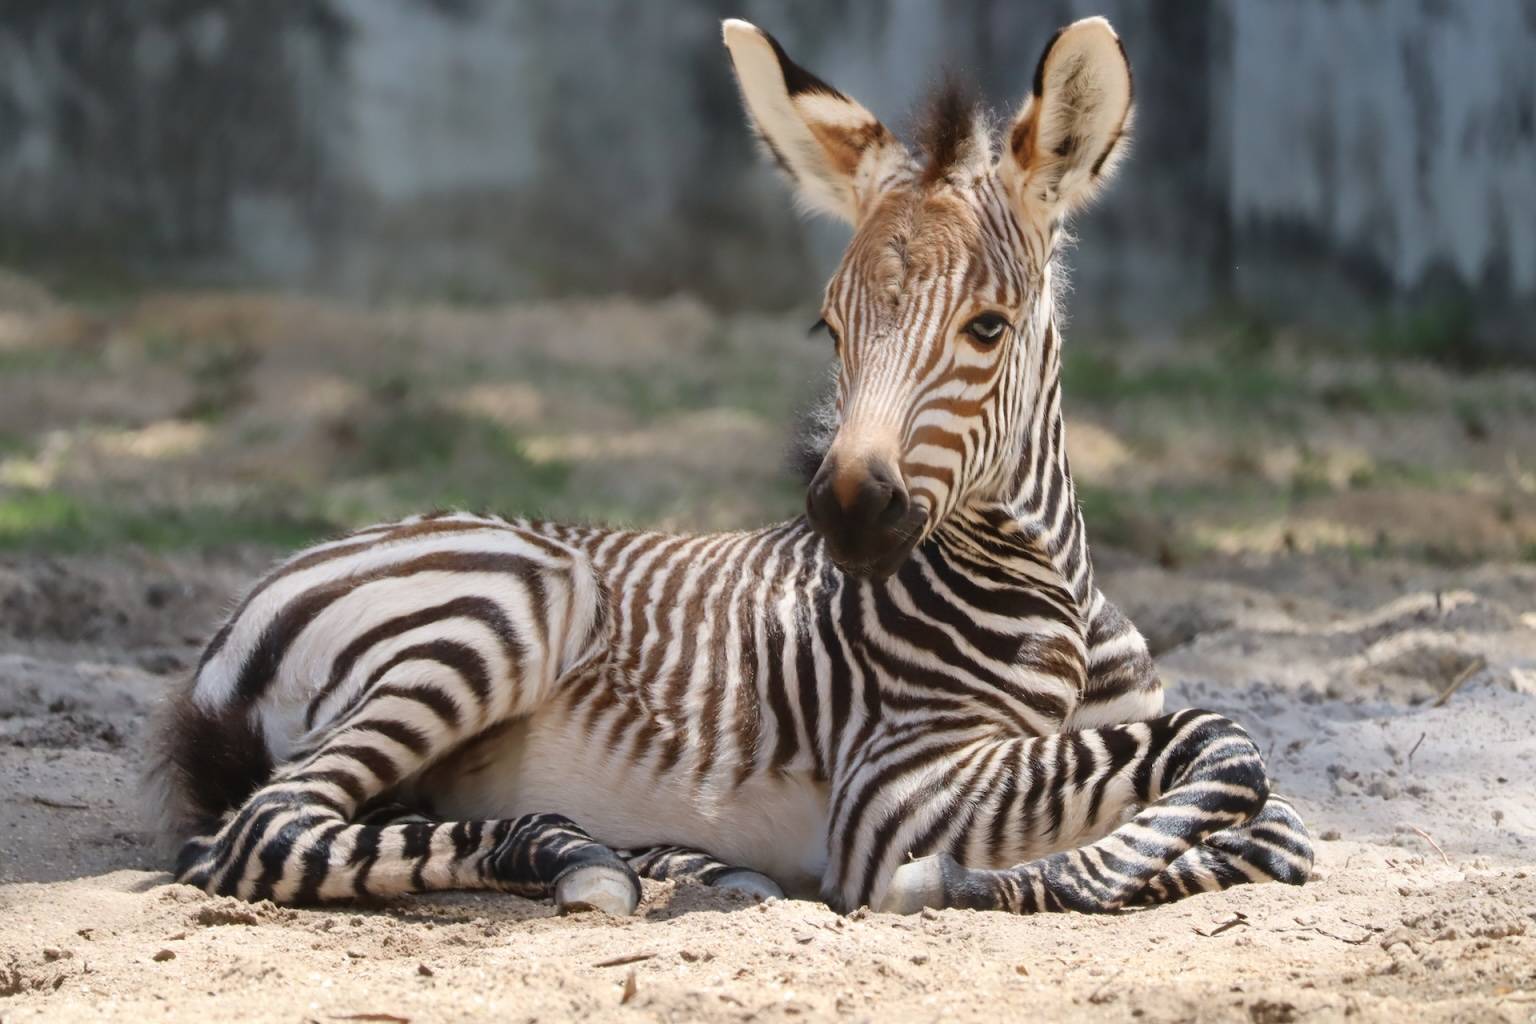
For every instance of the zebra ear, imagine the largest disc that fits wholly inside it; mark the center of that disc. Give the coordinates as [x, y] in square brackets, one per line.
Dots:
[1075, 125]
[836, 152]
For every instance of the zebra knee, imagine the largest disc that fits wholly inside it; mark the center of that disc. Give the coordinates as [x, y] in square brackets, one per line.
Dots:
[215, 863]
[1220, 765]
[249, 854]
[1287, 834]
[1276, 844]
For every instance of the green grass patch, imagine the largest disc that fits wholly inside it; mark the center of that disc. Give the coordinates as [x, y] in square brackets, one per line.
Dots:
[220, 374]
[56, 522]
[765, 383]
[1162, 523]
[12, 443]
[424, 455]
[1397, 473]
[1231, 384]
[1376, 395]
[1095, 376]
[58, 359]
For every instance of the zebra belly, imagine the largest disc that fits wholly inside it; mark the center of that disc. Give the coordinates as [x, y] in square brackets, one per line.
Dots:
[546, 763]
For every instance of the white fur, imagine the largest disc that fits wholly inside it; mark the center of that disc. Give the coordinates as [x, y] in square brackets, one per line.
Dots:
[776, 825]
[1086, 96]
[785, 122]
[216, 681]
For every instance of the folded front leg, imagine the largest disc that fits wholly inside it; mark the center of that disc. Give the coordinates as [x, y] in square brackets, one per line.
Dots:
[1273, 846]
[1054, 808]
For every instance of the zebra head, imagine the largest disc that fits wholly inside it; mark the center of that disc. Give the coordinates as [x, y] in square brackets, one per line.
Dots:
[941, 309]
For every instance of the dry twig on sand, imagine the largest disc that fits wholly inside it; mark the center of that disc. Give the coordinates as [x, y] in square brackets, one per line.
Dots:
[1237, 918]
[1431, 841]
[1478, 664]
[627, 958]
[1415, 749]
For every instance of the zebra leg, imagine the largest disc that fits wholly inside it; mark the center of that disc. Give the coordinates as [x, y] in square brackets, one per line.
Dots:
[1123, 686]
[551, 852]
[680, 863]
[1273, 846]
[295, 840]
[299, 857]
[1194, 773]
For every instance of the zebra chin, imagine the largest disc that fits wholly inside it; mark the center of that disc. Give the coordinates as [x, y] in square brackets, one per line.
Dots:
[876, 554]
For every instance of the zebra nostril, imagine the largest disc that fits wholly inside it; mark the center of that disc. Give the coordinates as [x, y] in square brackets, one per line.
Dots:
[888, 499]
[895, 507]
[821, 505]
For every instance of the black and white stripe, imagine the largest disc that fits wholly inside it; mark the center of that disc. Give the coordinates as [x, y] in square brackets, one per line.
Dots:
[965, 721]
[943, 710]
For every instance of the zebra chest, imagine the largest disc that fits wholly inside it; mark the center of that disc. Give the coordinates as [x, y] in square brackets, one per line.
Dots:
[1028, 685]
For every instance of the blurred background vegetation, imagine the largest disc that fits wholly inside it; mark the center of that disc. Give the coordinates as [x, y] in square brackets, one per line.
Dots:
[270, 271]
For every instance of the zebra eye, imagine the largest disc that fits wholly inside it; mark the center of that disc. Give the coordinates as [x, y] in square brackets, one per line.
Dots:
[987, 328]
[822, 325]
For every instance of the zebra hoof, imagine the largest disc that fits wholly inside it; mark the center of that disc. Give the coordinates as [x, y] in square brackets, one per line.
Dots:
[612, 889]
[754, 883]
[915, 885]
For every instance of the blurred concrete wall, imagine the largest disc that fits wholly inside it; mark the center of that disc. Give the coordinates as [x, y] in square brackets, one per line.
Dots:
[1314, 160]
[1384, 151]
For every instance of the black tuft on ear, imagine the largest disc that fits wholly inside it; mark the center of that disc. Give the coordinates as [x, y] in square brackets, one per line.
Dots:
[797, 80]
[1039, 83]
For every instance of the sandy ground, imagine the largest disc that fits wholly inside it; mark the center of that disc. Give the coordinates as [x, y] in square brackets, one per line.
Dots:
[1424, 905]
[1289, 504]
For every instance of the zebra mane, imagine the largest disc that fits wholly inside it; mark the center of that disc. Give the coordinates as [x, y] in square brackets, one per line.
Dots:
[951, 128]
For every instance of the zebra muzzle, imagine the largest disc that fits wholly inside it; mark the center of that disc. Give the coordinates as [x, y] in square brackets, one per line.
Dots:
[861, 510]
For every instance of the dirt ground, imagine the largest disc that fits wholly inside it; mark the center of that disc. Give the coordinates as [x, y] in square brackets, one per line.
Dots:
[1336, 552]
[1424, 906]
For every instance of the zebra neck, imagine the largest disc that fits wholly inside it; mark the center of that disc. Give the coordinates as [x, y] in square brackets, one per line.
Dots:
[1040, 552]
[1040, 514]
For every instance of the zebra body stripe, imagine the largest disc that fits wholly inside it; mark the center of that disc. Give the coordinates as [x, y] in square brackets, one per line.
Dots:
[914, 695]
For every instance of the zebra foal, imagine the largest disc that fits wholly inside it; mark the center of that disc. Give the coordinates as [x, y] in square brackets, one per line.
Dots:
[914, 695]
